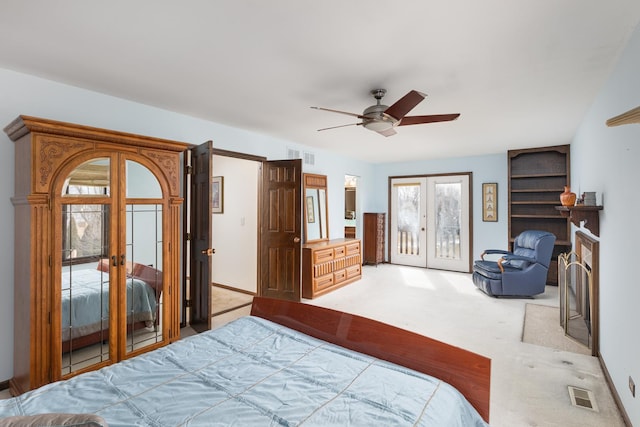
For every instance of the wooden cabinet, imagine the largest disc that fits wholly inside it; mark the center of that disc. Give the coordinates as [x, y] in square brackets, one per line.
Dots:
[373, 236]
[329, 265]
[537, 177]
[97, 248]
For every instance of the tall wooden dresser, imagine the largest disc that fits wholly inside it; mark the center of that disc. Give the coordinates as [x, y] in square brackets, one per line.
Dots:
[329, 265]
[373, 225]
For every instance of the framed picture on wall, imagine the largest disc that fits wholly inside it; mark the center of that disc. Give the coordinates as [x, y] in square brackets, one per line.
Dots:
[490, 201]
[217, 194]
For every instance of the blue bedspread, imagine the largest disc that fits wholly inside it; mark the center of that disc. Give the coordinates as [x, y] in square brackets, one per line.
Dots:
[252, 372]
[88, 308]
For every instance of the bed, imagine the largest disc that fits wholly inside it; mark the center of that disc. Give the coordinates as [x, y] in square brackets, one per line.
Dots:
[87, 306]
[286, 364]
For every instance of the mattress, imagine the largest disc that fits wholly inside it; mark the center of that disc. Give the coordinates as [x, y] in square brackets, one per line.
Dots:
[252, 372]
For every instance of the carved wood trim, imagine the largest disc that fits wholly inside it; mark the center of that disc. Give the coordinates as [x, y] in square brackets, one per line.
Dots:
[169, 164]
[50, 153]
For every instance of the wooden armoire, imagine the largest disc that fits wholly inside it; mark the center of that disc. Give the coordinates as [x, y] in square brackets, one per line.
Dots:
[97, 247]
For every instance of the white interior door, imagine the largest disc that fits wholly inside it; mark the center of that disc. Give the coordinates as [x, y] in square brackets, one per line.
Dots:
[409, 221]
[448, 222]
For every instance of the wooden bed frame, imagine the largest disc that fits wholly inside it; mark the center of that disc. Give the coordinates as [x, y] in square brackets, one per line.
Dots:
[468, 372]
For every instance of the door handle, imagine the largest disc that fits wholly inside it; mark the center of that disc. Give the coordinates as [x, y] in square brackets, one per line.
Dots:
[208, 251]
[296, 240]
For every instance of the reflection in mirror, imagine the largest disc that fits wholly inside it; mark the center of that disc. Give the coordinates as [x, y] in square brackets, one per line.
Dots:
[88, 179]
[350, 205]
[316, 225]
[144, 259]
[141, 183]
[84, 286]
[144, 276]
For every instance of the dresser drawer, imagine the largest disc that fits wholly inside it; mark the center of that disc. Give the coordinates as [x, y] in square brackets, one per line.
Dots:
[323, 282]
[339, 276]
[322, 255]
[352, 248]
[339, 252]
[353, 271]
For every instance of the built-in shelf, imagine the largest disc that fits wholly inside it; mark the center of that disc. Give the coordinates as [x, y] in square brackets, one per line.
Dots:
[536, 178]
[589, 214]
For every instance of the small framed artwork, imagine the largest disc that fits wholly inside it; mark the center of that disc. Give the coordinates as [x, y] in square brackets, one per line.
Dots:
[490, 201]
[311, 217]
[217, 194]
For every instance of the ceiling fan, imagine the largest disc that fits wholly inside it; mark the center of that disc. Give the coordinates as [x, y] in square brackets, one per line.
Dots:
[383, 119]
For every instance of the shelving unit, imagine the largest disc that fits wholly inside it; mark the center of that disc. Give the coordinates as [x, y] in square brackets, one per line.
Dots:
[537, 177]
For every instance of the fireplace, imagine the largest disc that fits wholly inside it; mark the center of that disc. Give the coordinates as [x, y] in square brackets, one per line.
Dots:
[579, 292]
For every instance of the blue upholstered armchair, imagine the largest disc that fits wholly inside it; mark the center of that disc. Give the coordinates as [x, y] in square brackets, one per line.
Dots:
[522, 272]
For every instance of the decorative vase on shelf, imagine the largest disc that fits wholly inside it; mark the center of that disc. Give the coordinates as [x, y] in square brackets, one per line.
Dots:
[567, 198]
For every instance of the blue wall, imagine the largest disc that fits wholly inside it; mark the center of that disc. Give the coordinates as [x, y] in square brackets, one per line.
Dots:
[607, 160]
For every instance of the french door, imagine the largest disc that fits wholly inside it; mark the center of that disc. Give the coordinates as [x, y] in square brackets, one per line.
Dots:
[430, 221]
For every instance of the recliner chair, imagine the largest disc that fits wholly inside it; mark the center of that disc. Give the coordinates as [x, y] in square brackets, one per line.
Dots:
[521, 273]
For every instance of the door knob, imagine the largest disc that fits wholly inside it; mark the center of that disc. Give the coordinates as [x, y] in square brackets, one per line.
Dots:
[296, 239]
[208, 251]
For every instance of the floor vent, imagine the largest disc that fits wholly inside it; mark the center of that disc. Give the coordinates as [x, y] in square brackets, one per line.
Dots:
[582, 398]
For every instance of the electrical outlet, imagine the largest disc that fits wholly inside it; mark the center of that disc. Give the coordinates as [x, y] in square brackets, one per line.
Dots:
[632, 386]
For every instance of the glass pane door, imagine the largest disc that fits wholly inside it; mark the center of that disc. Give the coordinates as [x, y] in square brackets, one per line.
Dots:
[85, 288]
[85, 283]
[408, 222]
[143, 254]
[143, 275]
[448, 222]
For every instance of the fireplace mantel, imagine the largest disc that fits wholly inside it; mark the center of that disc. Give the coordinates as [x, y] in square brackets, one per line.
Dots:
[589, 214]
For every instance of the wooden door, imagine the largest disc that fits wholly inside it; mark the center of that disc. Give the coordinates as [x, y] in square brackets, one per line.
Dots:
[281, 229]
[201, 238]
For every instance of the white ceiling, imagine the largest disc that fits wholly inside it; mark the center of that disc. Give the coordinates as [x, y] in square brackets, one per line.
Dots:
[521, 73]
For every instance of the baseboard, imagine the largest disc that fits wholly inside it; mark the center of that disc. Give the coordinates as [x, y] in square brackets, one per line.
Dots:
[231, 288]
[4, 385]
[614, 392]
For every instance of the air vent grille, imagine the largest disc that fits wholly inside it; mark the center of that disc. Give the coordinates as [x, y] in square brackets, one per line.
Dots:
[582, 398]
[293, 153]
[309, 158]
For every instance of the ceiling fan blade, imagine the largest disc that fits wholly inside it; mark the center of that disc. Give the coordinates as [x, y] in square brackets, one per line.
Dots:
[341, 126]
[417, 120]
[387, 132]
[405, 104]
[338, 111]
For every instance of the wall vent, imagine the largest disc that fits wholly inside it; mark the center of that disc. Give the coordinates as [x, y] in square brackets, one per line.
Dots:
[309, 158]
[293, 154]
[582, 398]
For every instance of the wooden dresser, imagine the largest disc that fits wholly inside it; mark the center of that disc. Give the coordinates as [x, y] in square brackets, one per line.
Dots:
[329, 265]
[373, 235]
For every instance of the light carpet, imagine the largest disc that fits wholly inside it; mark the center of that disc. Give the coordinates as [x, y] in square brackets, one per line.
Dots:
[528, 382]
[542, 327]
[224, 300]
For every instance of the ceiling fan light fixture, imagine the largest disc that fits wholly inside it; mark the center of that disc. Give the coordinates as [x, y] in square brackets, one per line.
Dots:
[377, 125]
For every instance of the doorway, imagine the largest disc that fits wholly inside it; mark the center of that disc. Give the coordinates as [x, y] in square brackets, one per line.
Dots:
[430, 221]
[242, 229]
